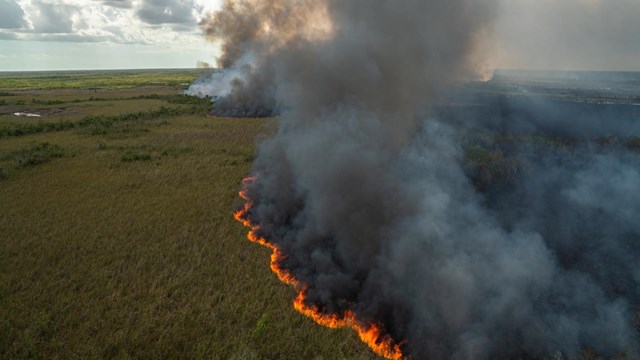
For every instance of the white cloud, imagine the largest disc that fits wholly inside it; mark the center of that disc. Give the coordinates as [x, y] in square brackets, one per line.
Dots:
[7, 36]
[180, 12]
[93, 34]
[50, 18]
[170, 22]
[11, 15]
[124, 4]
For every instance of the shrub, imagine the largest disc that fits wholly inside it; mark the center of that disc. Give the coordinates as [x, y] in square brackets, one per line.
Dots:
[37, 154]
[188, 100]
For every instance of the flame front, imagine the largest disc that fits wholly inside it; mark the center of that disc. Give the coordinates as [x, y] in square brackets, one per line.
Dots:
[370, 333]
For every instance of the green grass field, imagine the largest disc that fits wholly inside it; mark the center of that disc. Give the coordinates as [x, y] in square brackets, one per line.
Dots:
[90, 80]
[116, 231]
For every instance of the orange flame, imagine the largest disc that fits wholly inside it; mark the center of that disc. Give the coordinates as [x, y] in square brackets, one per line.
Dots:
[370, 333]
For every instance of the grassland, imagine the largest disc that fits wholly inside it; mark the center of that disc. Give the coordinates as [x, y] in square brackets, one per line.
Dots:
[91, 80]
[116, 234]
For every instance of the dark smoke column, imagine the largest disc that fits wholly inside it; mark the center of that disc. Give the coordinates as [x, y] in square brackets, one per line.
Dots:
[368, 202]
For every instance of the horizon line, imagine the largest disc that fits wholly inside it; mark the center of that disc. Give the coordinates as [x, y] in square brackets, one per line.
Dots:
[215, 68]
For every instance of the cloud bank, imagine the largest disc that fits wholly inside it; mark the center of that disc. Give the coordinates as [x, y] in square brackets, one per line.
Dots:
[11, 15]
[104, 21]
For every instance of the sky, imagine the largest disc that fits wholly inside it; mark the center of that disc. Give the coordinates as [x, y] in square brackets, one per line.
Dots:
[129, 34]
[568, 35]
[103, 34]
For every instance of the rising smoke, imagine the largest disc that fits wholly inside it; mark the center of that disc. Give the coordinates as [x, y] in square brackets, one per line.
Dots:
[367, 193]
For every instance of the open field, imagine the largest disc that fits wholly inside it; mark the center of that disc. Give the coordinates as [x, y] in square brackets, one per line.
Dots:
[90, 80]
[116, 234]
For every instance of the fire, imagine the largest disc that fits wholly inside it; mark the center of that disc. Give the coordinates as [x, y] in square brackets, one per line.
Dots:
[369, 332]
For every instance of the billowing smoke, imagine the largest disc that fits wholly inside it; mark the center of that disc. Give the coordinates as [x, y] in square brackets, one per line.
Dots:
[368, 189]
[253, 35]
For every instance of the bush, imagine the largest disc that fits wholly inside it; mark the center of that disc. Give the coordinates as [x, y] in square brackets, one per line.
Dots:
[38, 154]
[188, 100]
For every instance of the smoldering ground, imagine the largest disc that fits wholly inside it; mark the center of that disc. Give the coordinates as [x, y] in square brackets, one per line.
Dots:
[373, 202]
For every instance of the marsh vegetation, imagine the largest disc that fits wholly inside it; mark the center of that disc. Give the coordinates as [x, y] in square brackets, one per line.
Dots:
[117, 238]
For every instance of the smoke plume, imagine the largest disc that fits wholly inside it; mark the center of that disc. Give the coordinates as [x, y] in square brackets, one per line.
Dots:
[367, 194]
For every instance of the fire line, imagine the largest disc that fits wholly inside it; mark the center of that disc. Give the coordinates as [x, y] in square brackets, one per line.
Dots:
[369, 332]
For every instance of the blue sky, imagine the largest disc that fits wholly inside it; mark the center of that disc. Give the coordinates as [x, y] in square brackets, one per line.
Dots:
[116, 34]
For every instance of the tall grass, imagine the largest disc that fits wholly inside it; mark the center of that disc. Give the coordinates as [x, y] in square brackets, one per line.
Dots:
[98, 79]
[38, 153]
[21, 129]
[105, 253]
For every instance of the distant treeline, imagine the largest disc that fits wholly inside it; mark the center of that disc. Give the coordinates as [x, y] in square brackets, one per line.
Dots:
[172, 99]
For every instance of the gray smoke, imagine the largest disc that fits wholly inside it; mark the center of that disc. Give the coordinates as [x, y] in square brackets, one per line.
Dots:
[370, 196]
[568, 34]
